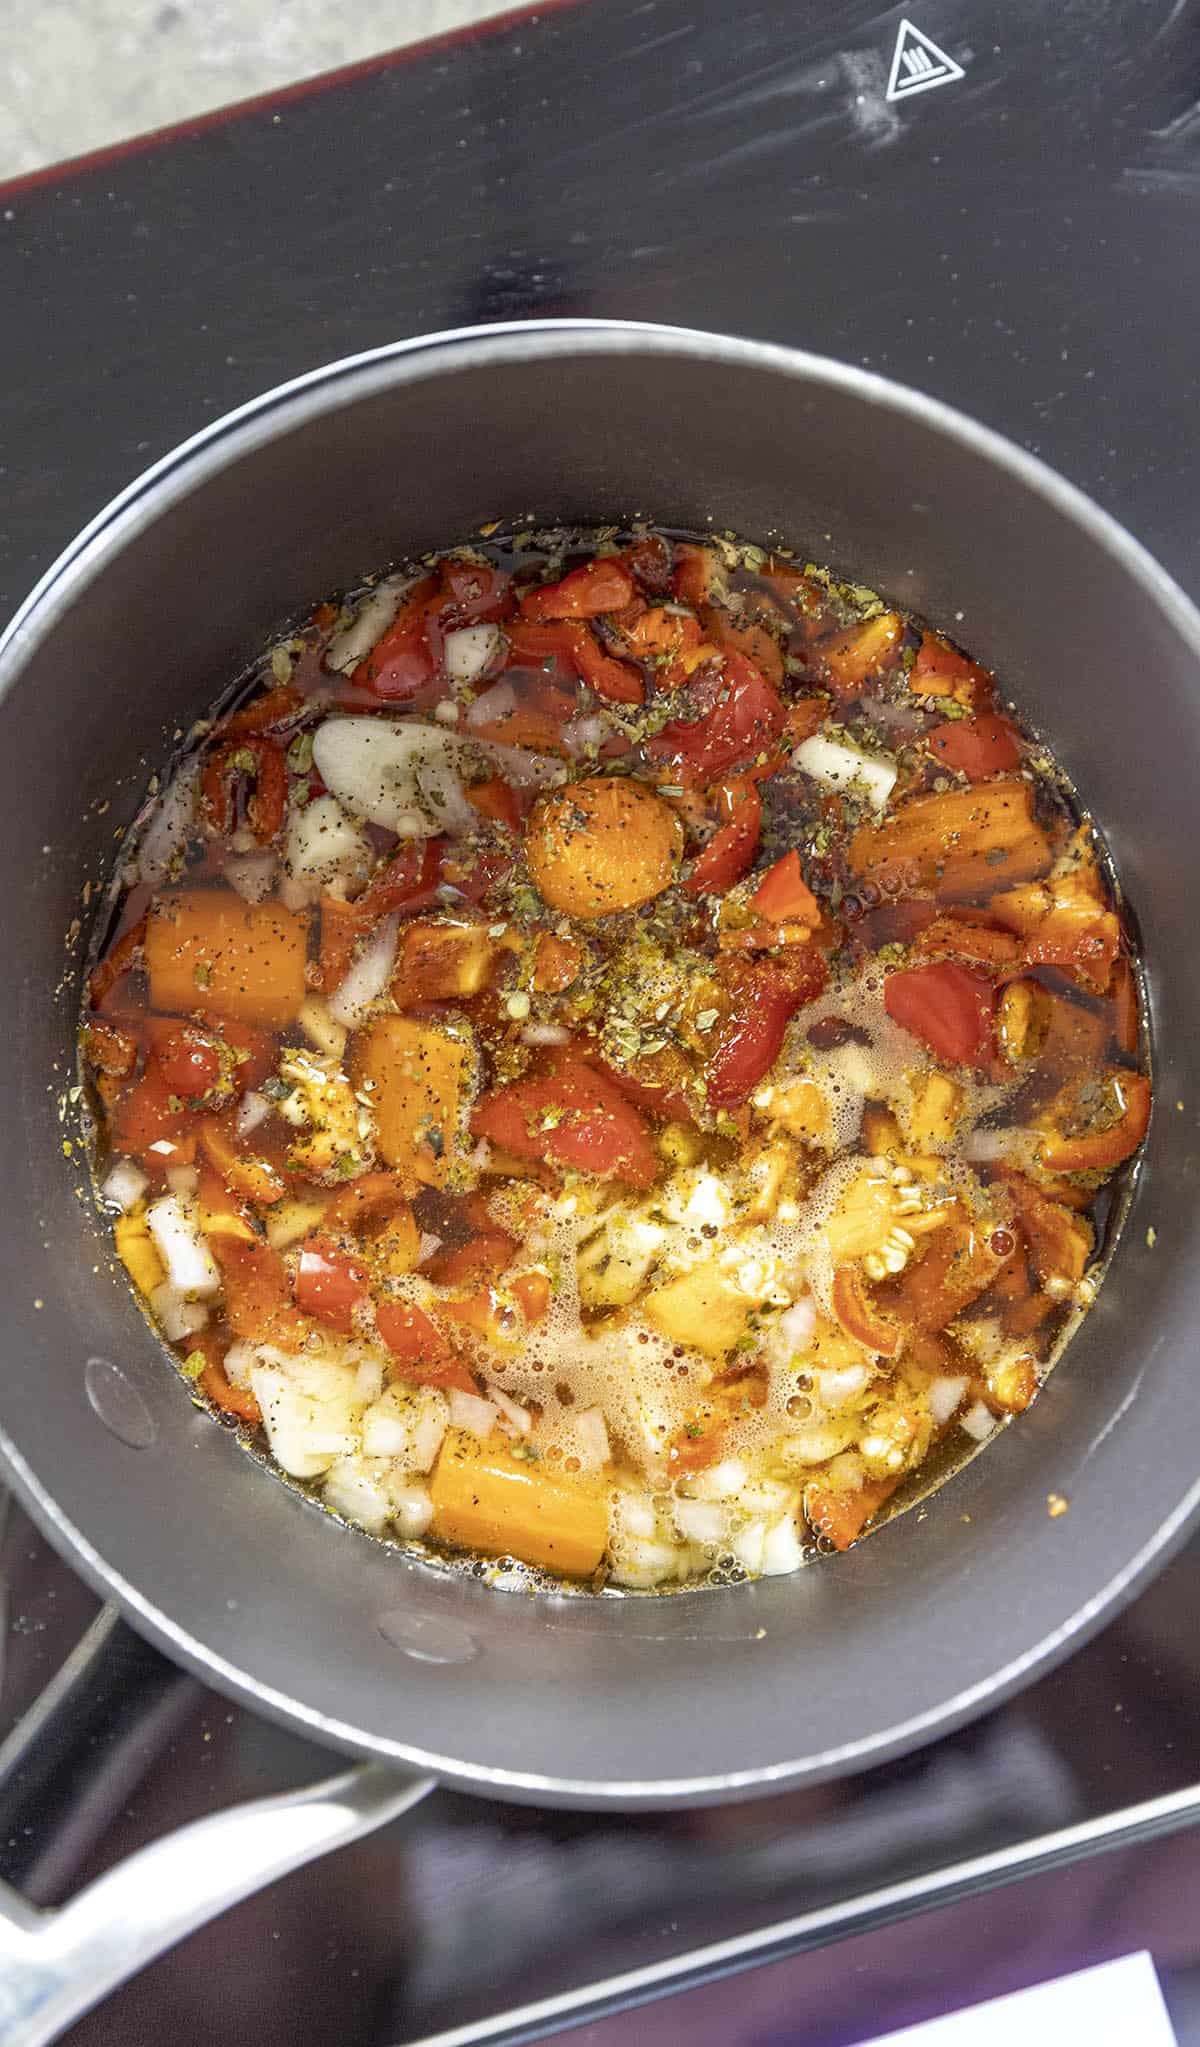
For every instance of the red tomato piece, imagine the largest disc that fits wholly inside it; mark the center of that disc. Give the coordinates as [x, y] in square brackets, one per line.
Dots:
[784, 896]
[976, 747]
[255, 1053]
[583, 593]
[698, 576]
[498, 800]
[330, 1284]
[649, 559]
[730, 852]
[419, 1348]
[947, 1006]
[409, 881]
[941, 671]
[575, 645]
[258, 1295]
[152, 1124]
[475, 1263]
[262, 764]
[573, 1116]
[740, 715]
[475, 591]
[766, 995]
[275, 708]
[186, 1058]
[896, 923]
[407, 656]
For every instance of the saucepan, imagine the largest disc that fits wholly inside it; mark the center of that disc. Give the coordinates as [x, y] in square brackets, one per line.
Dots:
[433, 1676]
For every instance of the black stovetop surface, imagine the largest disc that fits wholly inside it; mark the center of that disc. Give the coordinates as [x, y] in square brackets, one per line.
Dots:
[1022, 240]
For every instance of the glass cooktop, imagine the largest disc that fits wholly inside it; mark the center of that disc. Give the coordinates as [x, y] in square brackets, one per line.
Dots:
[997, 203]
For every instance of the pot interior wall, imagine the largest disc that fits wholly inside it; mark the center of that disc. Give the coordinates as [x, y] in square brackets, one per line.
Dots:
[137, 638]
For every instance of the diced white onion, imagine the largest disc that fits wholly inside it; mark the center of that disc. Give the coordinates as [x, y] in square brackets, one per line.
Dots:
[369, 624]
[468, 1411]
[721, 1481]
[838, 766]
[253, 1109]
[945, 1397]
[237, 1362]
[500, 701]
[427, 1244]
[406, 1425]
[368, 977]
[591, 1439]
[814, 1441]
[354, 1491]
[412, 1508]
[578, 734]
[310, 1413]
[978, 1421]
[985, 1147]
[319, 1027]
[167, 832]
[182, 1180]
[471, 651]
[835, 1389]
[179, 1317]
[368, 1380]
[322, 843]
[513, 1419]
[796, 1325]
[124, 1185]
[702, 1521]
[545, 1034]
[189, 1262]
[251, 874]
[748, 1545]
[782, 1549]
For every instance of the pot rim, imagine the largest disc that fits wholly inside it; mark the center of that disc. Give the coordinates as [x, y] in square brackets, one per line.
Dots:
[169, 480]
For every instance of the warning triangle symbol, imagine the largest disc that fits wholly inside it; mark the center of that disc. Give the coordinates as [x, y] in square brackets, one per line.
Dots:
[918, 64]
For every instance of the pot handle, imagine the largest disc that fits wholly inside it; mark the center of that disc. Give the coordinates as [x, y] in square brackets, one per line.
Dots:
[54, 1965]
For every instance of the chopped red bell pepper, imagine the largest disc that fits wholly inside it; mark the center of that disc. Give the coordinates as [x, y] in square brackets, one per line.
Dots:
[474, 592]
[766, 995]
[277, 707]
[1107, 1116]
[598, 586]
[947, 1006]
[573, 1116]
[251, 759]
[185, 1056]
[408, 655]
[941, 671]
[859, 1316]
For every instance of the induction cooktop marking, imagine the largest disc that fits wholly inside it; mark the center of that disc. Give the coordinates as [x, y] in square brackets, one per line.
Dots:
[918, 64]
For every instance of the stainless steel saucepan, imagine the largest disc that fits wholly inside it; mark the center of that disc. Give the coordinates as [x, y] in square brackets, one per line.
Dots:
[574, 1701]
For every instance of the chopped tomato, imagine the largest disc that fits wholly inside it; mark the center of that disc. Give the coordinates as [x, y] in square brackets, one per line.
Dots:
[184, 1055]
[153, 1125]
[754, 641]
[967, 938]
[739, 715]
[330, 1284]
[649, 558]
[806, 715]
[896, 923]
[110, 1049]
[498, 800]
[533, 1291]
[698, 575]
[575, 644]
[766, 995]
[941, 671]
[250, 760]
[840, 1516]
[278, 707]
[572, 1116]
[976, 747]
[947, 1006]
[408, 881]
[474, 591]
[419, 1348]
[255, 1052]
[258, 1296]
[475, 1263]
[231, 1399]
[784, 896]
[405, 660]
[730, 852]
[859, 1316]
[1096, 1122]
[598, 586]
[365, 1200]
[255, 1179]
[127, 956]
